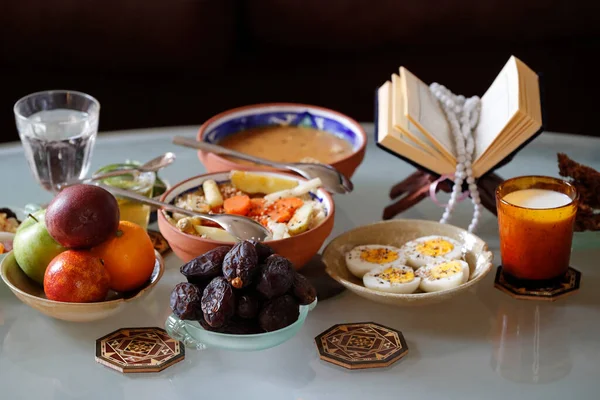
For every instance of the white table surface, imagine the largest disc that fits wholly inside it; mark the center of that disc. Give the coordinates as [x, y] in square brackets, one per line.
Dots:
[482, 345]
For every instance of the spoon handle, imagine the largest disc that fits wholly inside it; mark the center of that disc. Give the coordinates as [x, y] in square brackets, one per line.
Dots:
[149, 201]
[216, 149]
[110, 174]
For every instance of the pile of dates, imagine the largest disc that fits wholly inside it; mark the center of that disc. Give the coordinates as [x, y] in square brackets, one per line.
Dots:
[242, 289]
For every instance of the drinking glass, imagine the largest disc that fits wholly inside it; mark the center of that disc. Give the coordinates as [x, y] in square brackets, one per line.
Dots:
[141, 183]
[58, 130]
[535, 243]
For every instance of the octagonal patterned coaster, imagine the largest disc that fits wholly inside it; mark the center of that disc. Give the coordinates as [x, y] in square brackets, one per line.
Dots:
[130, 350]
[361, 345]
[160, 243]
[569, 284]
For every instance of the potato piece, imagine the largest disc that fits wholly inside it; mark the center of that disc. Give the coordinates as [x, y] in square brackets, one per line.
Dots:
[185, 225]
[212, 194]
[215, 234]
[301, 220]
[297, 191]
[250, 182]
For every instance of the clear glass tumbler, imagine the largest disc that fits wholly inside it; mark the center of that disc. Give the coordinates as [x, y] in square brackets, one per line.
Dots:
[58, 130]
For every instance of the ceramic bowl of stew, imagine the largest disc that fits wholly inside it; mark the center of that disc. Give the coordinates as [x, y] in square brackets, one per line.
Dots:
[299, 249]
[284, 132]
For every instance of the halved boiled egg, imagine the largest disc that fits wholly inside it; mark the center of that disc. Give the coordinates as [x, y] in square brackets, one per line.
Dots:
[362, 259]
[443, 275]
[393, 279]
[431, 249]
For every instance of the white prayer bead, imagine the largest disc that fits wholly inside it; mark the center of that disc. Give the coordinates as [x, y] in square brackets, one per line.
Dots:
[462, 115]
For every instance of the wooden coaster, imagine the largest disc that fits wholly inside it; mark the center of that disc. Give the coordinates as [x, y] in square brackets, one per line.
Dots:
[569, 284]
[135, 350]
[361, 345]
[160, 243]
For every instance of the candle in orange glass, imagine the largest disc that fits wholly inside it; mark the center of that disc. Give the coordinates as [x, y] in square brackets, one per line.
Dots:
[535, 219]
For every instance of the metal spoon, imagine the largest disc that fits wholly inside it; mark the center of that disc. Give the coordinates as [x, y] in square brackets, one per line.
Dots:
[242, 228]
[332, 179]
[153, 165]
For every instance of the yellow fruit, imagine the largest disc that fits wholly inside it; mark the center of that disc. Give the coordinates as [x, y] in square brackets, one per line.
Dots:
[250, 182]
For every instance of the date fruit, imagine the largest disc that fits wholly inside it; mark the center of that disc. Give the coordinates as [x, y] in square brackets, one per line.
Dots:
[247, 306]
[276, 277]
[186, 301]
[240, 264]
[239, 326]
[262, 250]
[218, 302]
[303, 290]
[205, 267]
[279, 313]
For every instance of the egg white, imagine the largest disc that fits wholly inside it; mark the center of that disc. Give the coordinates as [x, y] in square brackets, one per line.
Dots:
[374, 280]
[416, 259]
[431, 283]
[359, 267]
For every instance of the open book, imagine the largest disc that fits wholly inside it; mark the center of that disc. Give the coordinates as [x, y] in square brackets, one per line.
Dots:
[411, 123]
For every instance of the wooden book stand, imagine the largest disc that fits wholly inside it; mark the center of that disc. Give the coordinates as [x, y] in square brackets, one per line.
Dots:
[416, 188]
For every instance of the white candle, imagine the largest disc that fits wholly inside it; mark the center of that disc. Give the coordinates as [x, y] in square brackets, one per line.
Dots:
[537, 198]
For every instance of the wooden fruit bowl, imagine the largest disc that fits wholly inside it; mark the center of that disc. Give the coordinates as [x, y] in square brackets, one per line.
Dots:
[33, 295]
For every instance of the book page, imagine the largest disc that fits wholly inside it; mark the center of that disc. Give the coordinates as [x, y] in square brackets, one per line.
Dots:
[498, 106]
[392, 140]
[514, 112]
[425, 112]
[402, 123]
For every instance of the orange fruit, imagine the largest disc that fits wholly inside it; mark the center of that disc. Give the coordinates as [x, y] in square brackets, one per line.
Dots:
[128, 256]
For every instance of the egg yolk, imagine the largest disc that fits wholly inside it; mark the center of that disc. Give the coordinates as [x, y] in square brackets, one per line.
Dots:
[395, 275]
[435, 247]
[378, 256]
[445, 270]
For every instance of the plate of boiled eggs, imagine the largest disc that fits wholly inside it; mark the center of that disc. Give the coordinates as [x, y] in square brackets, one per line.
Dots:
[407, 262]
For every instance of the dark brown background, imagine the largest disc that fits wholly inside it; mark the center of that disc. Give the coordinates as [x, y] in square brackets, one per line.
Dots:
[157, 63]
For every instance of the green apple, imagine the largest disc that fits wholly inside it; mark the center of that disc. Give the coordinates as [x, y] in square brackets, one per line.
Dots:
[33, 246]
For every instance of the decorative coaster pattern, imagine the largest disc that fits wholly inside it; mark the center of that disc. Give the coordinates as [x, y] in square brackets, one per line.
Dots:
[566, 286]
[159, 242]
[130, 350]
[361, 345]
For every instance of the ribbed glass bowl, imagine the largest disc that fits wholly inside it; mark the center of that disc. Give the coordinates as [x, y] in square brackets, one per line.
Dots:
[196, 337]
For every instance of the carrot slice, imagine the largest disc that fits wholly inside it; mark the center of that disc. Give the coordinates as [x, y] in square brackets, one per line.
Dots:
[257, 207]
[239, 205]
[290, 202]
[1, 248]
[283, 210]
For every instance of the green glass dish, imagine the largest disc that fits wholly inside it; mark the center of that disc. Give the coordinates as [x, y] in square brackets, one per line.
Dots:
[194, 336]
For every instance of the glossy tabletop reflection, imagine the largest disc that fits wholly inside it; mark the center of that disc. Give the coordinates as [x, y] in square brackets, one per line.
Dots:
[482, 345]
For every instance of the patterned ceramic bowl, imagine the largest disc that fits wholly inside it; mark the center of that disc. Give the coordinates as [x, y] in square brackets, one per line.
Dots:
[194, 336]
[298, 249]
[238, 119]
[396, 233]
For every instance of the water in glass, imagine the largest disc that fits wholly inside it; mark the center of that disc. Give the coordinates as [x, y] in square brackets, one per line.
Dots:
[58, 144]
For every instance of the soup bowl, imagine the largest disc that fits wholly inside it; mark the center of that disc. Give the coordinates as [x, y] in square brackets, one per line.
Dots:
[240, 119]
[299, 249]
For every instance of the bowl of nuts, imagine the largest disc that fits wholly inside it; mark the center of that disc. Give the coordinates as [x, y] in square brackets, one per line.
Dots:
[243, 297]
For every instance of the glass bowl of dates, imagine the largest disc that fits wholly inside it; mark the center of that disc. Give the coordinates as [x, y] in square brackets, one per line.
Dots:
[243, 297]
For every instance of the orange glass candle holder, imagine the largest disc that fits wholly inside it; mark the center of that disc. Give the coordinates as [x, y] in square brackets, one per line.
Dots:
[535, 218]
